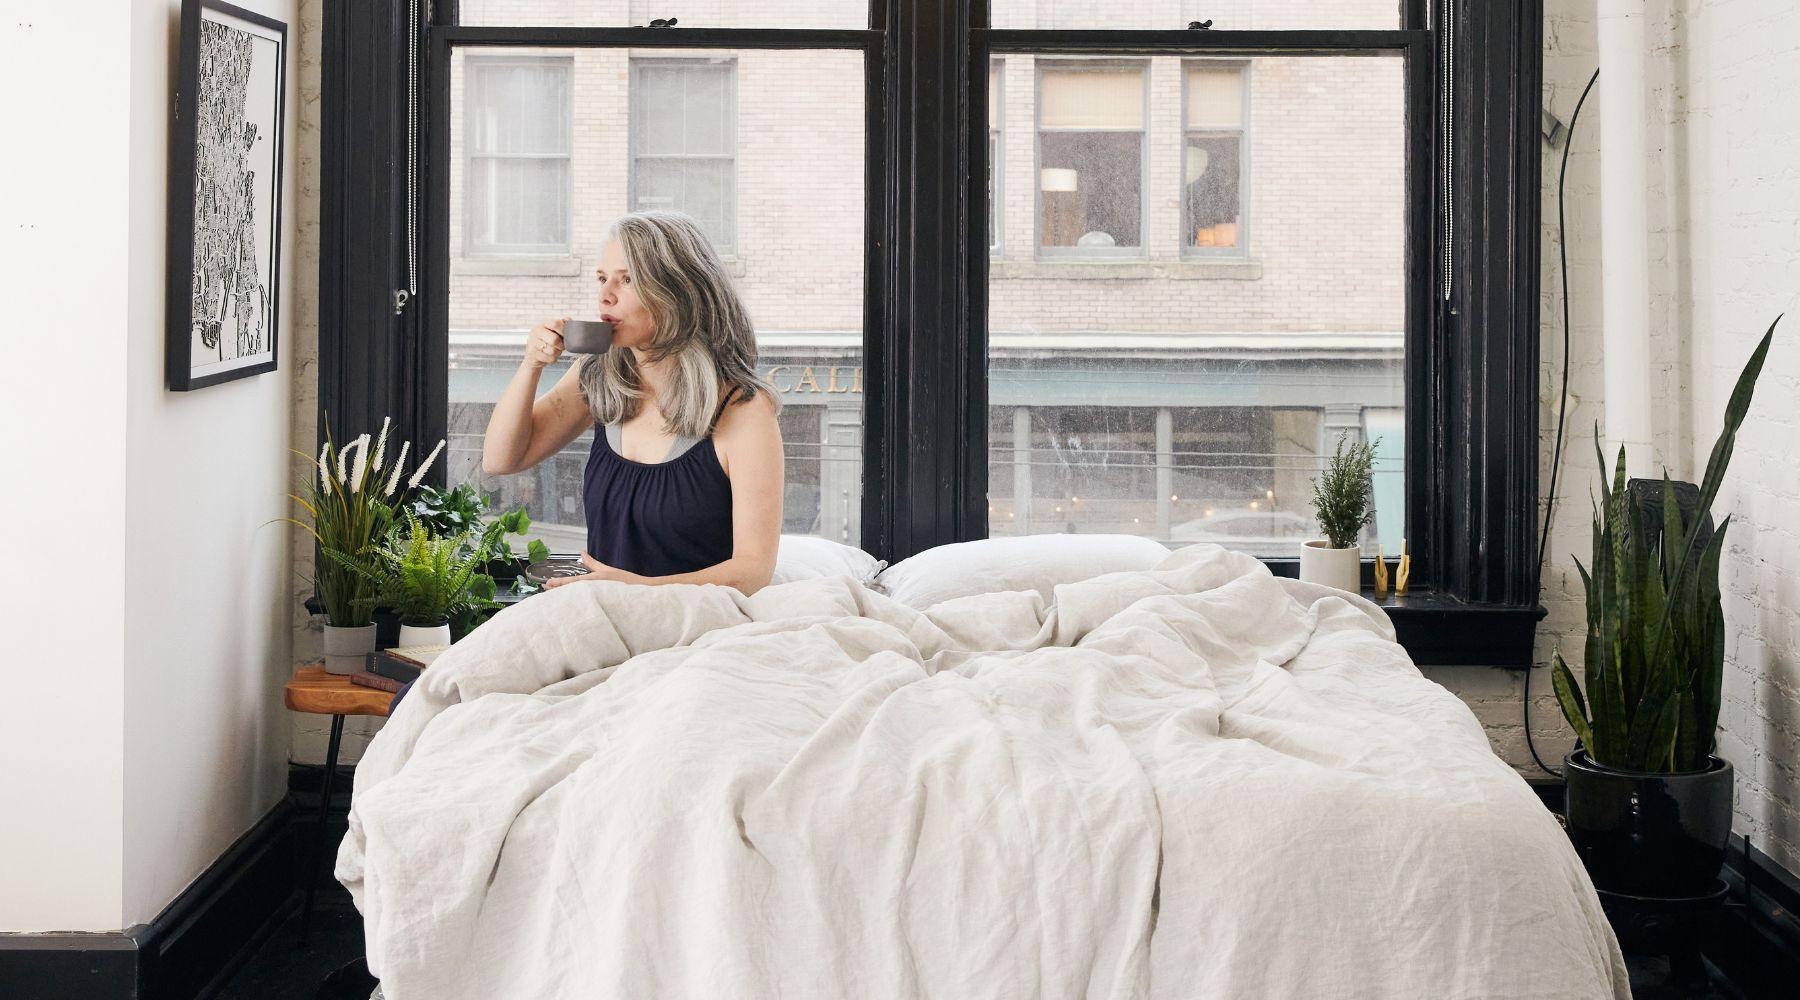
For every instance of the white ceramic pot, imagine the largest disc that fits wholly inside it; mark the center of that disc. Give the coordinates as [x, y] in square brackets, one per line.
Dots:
[425, 635]
[347, 649]
[1340, 568]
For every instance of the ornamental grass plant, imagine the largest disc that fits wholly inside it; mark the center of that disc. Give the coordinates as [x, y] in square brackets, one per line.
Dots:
[351, 503]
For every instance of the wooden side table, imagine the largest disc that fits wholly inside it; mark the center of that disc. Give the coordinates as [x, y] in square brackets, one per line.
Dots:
[314, 691]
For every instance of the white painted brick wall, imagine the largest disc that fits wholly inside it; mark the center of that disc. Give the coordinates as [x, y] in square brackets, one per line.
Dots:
[1724, 196]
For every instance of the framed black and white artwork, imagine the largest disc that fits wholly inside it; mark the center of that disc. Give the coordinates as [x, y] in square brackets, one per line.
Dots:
[225, 158]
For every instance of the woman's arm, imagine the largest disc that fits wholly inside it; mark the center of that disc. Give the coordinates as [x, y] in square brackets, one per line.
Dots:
[524, 430]
[748, 442]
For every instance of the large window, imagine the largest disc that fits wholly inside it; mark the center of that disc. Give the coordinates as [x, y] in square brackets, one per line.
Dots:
[695, 134]
[683, 137]
[1212, 255]
[516, 126]
[1190, 388]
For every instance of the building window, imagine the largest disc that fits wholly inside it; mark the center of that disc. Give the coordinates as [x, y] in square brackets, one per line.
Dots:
[1215, 108]
[1091, 142]
[683, 141]
[517, 122]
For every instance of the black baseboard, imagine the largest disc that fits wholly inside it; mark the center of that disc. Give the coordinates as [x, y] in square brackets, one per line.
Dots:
[190, 949]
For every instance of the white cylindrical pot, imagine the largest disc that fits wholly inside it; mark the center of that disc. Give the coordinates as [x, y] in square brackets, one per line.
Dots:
[425, 635]
[1340, 568]
[347, 649]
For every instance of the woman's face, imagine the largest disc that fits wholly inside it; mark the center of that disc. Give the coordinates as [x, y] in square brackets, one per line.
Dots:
[632, 323]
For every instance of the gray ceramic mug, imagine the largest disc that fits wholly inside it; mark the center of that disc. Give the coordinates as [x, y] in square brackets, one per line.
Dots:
[587, 336]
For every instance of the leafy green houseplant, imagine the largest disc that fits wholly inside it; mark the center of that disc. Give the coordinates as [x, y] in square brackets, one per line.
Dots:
[1649, 805]
[350, 503]
[419, 574]
[1341, 504]
[461, 509]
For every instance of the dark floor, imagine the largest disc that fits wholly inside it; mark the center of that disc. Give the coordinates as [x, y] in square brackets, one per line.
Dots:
[329, 966]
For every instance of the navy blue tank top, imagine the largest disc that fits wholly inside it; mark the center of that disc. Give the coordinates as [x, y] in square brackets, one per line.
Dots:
[658, 518]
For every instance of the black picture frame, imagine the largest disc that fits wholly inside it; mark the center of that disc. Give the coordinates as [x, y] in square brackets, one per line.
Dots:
[220, 198]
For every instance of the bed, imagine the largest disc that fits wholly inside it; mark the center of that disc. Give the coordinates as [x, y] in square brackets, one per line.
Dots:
[1188, 780]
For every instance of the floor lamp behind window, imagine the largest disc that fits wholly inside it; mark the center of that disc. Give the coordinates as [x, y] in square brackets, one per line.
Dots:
[1064, 208]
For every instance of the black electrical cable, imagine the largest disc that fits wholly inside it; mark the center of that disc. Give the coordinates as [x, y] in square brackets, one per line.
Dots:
[1562, 407]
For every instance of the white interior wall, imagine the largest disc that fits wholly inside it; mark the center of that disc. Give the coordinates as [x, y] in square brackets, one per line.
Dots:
[143, 730]
[1729, 170]
[1724, 239]
[64, 270]
[206, 573]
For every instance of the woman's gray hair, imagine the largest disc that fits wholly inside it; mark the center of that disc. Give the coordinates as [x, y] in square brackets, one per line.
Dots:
[700, 322]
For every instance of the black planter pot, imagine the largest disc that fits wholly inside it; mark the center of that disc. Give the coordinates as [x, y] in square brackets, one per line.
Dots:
[504, 570]
[1652, 835]
[387, 629]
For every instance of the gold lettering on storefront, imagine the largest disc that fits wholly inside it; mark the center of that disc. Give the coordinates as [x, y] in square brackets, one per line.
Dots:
[808, 380]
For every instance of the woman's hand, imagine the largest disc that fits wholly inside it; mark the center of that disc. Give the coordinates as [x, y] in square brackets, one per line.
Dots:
[597, 571]
[544, 344]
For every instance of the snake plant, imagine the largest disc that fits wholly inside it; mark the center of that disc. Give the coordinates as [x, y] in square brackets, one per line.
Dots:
[1655, 629]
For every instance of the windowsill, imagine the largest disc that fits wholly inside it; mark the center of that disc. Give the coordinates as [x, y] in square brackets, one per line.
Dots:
[1173, 270]
[1440, 631]
[550, 266]
[1435, 630]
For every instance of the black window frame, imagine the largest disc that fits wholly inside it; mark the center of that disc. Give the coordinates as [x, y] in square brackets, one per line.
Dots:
[1472, 264]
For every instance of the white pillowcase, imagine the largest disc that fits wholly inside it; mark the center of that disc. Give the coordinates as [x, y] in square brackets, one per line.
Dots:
[1025, 562]
[807, 557]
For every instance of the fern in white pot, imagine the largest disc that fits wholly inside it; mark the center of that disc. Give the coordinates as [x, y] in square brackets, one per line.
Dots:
[1341, 502]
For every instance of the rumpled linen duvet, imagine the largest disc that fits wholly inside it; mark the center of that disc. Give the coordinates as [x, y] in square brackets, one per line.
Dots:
[1196, 781]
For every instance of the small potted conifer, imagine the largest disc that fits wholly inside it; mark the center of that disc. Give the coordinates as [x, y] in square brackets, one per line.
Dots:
[1341, 503]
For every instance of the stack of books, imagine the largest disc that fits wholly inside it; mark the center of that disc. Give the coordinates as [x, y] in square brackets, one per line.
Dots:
[390, 669]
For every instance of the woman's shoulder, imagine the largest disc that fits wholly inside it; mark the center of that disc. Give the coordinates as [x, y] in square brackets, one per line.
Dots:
[747, 415]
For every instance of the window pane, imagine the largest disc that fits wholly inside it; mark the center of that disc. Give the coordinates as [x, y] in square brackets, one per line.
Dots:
[688, 13]
[1091, 189]
[996, 102]
[519, 106]
[701, 188]
[518, 205]
[801, 281]
[1192, 392]
[1215, 97]
[1091, 99]
[1212, 192]
[1226, 15]
[681, 107]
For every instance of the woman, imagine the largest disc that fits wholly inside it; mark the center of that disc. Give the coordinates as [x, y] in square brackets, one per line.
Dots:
[683, 482]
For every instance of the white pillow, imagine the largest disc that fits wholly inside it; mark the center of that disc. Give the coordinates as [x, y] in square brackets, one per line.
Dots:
[807, 557]
[1025, 562]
